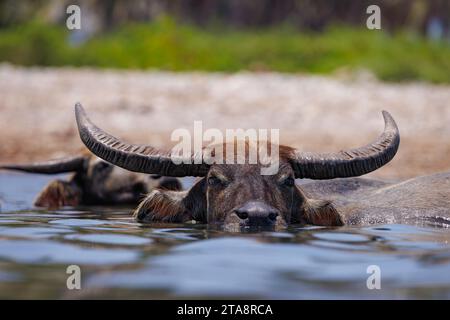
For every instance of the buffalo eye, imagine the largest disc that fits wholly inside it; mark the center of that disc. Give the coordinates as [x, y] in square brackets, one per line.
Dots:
[214, 181]
[102, 166]
[288, 182]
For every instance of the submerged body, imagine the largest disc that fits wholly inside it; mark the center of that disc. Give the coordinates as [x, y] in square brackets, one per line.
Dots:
[362, 201]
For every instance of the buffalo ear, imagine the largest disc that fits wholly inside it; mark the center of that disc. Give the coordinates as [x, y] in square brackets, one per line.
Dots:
[162, 206]
[59, 194]
[321, 213]
[173, 206]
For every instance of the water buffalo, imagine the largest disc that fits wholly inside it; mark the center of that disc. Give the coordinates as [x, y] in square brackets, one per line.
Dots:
[237, 195]
[94, 182]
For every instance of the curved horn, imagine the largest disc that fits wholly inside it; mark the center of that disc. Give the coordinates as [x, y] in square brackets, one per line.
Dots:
[49, 167]
[352, 162]
[139, 158]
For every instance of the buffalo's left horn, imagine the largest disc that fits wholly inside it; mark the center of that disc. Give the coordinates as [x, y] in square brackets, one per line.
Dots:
[49, 167]
[352, 162]
[139, 158]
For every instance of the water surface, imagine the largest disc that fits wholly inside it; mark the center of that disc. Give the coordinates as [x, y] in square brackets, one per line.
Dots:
[120, 258]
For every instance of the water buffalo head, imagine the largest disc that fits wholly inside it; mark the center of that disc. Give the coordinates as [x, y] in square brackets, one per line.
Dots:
[237, 195]
[94, 181]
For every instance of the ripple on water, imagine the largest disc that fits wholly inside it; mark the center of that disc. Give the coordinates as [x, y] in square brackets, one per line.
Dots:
[43, 251]
[31, 232]
[342, 237]
[246, 268]
[9, 221]
[251, 268]
[176, 233]
[77, 222]
[113, 239]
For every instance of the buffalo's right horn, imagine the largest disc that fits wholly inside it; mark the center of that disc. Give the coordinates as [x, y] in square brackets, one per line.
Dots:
[49, 167]
[133, 157]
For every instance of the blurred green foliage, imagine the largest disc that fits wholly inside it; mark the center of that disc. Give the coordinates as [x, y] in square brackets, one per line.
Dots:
[163, 44]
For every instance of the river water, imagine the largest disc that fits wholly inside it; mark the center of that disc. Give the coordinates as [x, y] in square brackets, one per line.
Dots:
[120, 258]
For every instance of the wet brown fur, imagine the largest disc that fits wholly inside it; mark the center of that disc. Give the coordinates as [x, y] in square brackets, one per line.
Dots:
[59, 194]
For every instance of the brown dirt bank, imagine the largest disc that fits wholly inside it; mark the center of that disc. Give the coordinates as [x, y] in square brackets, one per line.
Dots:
[315, 113]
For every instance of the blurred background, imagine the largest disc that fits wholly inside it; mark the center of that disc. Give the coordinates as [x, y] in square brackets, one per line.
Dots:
[231, 35]
[309, 68]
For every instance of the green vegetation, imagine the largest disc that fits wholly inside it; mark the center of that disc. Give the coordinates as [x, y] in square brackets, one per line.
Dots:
[165, 45]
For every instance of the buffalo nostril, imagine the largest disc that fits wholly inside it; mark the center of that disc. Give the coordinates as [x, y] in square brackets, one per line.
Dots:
[242, 214]
[273, 216]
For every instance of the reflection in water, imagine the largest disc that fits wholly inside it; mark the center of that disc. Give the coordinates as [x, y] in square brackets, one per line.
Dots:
[122, 258]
